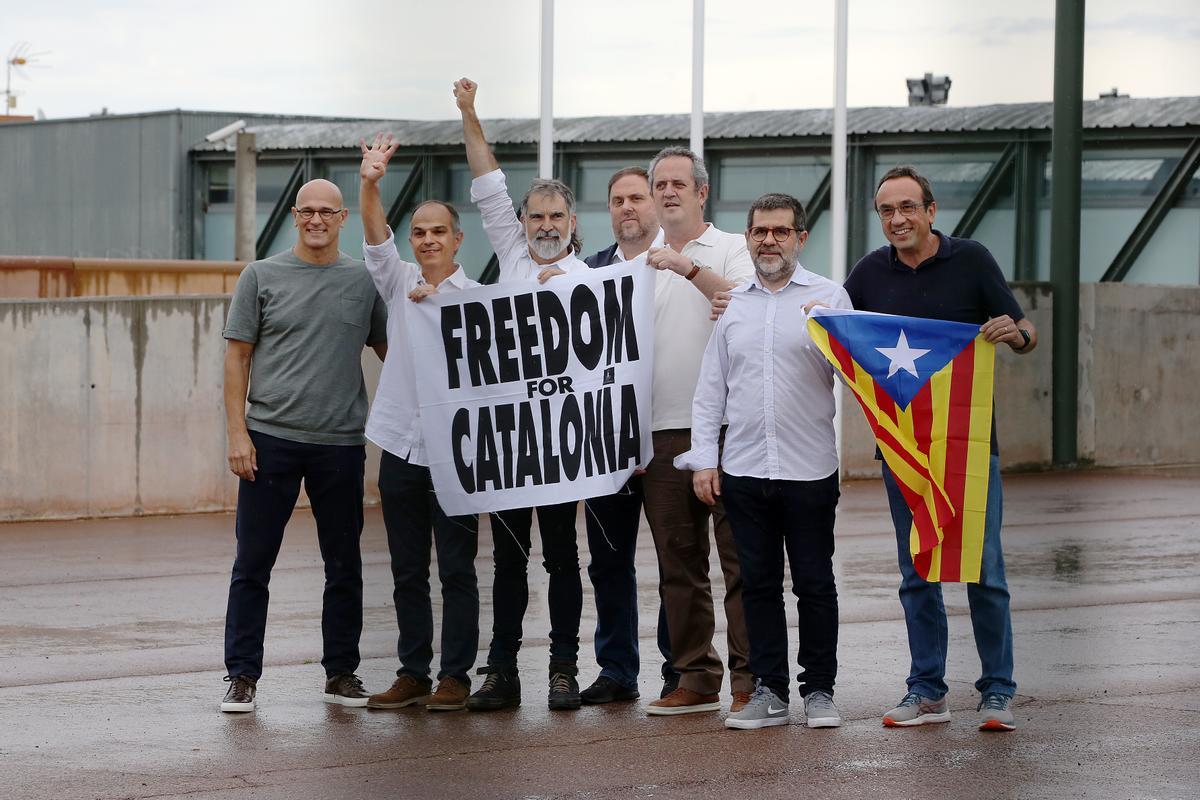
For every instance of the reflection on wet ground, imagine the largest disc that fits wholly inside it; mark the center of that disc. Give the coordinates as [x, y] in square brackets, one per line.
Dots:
[110, 667]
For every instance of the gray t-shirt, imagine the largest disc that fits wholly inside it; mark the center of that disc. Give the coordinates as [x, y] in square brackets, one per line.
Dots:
[308, 324]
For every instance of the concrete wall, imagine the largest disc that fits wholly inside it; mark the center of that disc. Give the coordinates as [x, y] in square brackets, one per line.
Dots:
[113, 406]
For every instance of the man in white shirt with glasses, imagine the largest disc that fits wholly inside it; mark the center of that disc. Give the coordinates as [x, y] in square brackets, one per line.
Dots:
[778, 473]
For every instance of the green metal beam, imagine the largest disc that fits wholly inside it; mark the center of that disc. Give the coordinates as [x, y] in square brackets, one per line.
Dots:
[1174, 186]
[818, 204]
[860, 182]
[1029, 176]
[985, 196]
[1066, 164]
[405, 200]
[279, 212]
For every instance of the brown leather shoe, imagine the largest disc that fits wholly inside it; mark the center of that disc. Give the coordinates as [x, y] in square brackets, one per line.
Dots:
[739, 702]
[684, 701]
[406, 691]
[451, 695]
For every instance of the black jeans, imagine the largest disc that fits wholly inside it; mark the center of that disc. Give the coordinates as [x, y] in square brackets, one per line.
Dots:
[612, 529]
[510, 591]
[770, 517]
[415, 521]
[333, 478]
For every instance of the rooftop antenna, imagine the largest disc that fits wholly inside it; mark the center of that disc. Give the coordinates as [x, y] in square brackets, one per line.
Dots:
[18, 57]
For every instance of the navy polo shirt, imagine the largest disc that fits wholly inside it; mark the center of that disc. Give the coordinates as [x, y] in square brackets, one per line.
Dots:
[960, 283]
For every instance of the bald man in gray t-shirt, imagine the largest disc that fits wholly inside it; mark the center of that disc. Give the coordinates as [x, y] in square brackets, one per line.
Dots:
[297, 325]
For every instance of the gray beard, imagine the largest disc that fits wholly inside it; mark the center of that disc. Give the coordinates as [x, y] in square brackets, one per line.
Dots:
[785, 271]
[547, 248]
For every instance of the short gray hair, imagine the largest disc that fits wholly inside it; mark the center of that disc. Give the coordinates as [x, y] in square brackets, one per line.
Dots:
[557, 188]
[699, 170]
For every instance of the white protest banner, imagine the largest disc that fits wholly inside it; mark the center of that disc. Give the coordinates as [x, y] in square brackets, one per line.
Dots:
[533, 394]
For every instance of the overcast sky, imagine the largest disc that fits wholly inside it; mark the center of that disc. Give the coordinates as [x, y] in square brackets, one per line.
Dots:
[397, 60]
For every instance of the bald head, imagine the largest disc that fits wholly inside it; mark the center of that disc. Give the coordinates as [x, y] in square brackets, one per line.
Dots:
[322, 190]
[319, 216]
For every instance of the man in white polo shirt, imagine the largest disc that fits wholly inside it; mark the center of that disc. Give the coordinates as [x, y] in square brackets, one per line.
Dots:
[411, 513]
[536, 245]
[697, 261]
[762, 372]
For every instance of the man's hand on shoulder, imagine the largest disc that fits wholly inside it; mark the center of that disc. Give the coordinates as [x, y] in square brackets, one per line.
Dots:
[376, 157]
[464, 94]
[720, 302]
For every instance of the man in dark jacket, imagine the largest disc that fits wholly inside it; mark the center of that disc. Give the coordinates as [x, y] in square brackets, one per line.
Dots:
[613, 520]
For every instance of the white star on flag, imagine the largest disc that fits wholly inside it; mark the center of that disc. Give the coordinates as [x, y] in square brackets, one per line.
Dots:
[902, 356]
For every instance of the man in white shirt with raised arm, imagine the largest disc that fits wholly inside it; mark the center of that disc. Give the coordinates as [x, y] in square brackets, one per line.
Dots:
[538, 244]
[779, 467]
[411, 513]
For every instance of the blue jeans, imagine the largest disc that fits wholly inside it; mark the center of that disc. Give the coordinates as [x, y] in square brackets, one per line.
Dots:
[510, 589]
[612, 529]
[415, 522]
[333, 478]
[771, 518]
[925, 613]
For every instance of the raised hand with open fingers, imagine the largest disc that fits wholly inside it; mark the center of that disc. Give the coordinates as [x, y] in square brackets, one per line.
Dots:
[376, 157]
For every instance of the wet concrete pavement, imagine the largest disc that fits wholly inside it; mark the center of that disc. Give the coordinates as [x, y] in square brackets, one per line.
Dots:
[110, 668]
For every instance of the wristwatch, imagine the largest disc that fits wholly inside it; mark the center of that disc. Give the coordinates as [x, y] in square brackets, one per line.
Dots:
[696, 267]
[1024, 335]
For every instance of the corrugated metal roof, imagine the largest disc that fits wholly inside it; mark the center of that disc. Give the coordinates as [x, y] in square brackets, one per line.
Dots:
[1157, 112]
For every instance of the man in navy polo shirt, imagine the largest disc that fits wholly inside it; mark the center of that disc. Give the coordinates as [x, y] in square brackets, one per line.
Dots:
[924, 273]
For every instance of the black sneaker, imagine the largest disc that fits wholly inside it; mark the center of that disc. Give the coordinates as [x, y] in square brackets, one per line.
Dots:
[346, 690]
[240, 697]
[606, 690]
[670, 684]
[501, 689]
[564, 689]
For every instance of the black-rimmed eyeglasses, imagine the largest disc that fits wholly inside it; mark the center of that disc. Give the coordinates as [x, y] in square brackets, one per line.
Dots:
[326, 213]
[780, 234]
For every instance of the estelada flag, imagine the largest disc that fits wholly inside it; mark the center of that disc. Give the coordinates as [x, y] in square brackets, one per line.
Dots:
[925, 386]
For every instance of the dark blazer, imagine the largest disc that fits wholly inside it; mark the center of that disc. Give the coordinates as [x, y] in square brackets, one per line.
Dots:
[603, 258]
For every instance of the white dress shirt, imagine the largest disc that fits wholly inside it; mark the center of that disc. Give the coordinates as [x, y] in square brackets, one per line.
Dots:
[682, 325]
[506, 233]
[395, 420]
[763, 373]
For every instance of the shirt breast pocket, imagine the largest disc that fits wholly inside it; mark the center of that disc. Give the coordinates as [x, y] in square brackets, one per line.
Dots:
[354, 310]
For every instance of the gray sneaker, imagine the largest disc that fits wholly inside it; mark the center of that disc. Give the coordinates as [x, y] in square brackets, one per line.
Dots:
[820, 712]
[997, 713]
[763, 711]
[917, 710]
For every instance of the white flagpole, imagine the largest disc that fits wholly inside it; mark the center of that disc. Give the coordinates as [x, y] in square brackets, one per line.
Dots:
[697, 138]
[546, 93]
[837, 182]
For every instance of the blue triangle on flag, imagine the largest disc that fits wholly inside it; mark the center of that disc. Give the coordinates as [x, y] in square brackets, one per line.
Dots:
[890, 348]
